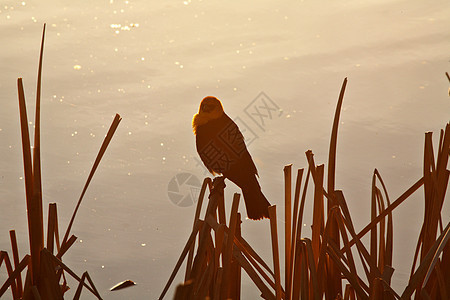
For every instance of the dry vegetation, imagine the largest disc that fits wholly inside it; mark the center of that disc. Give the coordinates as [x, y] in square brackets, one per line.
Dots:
[323, 266]
[45, 272]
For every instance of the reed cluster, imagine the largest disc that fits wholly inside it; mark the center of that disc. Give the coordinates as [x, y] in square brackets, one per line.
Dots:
[45, 272]
[323, 266]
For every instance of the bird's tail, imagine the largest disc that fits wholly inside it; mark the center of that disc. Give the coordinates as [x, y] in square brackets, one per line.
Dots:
[255, 201]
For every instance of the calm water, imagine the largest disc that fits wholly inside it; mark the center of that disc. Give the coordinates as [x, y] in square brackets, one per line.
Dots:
[153, 63]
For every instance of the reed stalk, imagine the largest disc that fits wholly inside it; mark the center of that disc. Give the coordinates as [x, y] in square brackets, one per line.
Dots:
[44, 269]
[324, 266]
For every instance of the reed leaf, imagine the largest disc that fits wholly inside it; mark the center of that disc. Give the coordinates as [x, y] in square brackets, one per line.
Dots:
[12, 275]
[373, 215]
[254, 259]
[440, 248]
[352, 278]
[218, 281]
[9, 269]
[80, 287]
[334, 284]
[58, 262]
[362, 251]
[349, 292]
[37, 184]
[441, 281]
[390, 225]
[343, 232]
[65, 247]
[417, 278]
[389, 209]
[265, 291]
[333, 141]
[100, 154]
[180, 260]
[15, 251]
[34, 223]
[314, 288]
[322, 257]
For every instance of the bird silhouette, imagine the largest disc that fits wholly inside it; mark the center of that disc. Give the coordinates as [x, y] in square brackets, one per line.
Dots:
[222, 149]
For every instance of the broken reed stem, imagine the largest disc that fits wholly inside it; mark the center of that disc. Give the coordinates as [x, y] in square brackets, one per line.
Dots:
[52, 228]
[246, 251]
[289, 278]
[66, 246]
[318, 212]
[276, 257]
[80, 286]
[236, 267]
[313, 271]
[302, 206]
[287, 225]
[102, 150]
[206, 183]
[57, 261]
[49, 287]
[229, 247]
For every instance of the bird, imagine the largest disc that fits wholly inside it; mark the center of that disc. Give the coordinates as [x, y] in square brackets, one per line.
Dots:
[221, 147]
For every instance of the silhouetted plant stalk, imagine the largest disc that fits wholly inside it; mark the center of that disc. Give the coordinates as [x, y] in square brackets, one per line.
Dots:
[323, 266]
[44, 265]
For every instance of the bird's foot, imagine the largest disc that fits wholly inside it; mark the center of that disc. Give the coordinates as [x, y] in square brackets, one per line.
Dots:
[218, 185]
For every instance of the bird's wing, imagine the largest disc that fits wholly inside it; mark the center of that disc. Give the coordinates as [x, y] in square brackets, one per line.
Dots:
[202, 141]
[221, 147]
[236, 142]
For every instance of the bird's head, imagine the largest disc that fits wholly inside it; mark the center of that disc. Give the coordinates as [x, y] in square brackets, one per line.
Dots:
[210, 109]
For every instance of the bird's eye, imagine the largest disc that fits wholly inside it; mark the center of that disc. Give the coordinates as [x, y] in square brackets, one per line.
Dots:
[206, 107]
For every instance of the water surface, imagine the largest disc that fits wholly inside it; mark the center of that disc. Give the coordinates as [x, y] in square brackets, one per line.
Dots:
[153, 62]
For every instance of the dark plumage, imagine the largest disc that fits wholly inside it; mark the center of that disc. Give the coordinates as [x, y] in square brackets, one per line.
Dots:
[221, 147]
